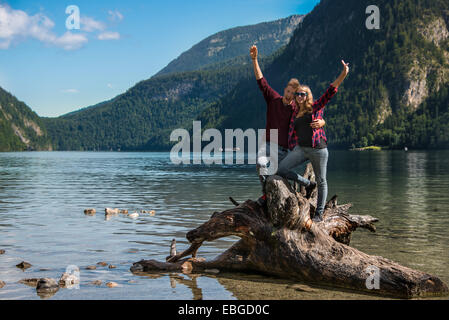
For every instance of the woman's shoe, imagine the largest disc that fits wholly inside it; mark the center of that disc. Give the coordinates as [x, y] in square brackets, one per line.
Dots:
[310, 188]
[318, 217]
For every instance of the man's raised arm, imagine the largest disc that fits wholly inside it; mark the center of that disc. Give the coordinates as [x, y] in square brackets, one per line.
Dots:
[257, 71]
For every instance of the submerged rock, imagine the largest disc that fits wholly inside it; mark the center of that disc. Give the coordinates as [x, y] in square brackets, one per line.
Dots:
[96, 282]
[23, 265]
[2, 251]
[90, 211]
[111, 284]
[2, 284]
[102, 263]
[124, 211]
[91, 267]
[111, 266]
[47, 285]
[31, 282]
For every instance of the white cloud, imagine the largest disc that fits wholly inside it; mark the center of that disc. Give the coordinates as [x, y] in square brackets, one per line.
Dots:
[115, 15]
[17, 25]
[89, 24]
[71, 41]
[70, 91]
[109, 36]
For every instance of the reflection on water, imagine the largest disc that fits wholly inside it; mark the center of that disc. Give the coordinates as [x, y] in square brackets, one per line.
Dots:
[43, 196]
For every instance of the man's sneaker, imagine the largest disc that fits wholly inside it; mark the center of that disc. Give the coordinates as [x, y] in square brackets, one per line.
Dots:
[262, 200]
[310, 188]
[263, 181]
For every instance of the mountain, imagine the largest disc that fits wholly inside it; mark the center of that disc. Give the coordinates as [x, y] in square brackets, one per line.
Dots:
[20, 128]
[228, 44]
[396, 94]
[143, 117]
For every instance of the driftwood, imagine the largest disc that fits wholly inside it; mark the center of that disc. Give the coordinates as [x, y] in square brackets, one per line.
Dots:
[280, 239]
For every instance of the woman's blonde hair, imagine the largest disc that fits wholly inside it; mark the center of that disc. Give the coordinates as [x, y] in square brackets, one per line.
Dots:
[307, 106]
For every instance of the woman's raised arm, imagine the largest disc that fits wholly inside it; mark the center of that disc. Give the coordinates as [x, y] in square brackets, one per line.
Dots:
[342, 75]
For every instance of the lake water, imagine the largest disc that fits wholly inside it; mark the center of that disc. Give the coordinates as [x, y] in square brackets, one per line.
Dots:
[43, 196]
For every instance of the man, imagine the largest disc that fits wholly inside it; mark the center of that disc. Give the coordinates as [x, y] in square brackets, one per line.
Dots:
[279, 113]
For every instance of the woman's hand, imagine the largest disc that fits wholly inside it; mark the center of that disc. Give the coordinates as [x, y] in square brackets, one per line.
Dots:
[342, 75]
[345, 68]
[318, 123]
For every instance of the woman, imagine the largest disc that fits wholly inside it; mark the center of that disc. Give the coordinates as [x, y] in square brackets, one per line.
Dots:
[310, 143]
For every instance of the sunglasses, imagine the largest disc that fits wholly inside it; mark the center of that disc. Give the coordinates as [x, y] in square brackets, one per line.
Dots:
[301, 94]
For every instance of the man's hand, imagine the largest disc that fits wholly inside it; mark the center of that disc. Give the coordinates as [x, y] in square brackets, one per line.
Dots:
[318, 123]
[257, 71]
[253, 52]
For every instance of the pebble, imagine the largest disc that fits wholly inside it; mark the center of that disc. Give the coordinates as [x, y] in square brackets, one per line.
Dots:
[2, 284]
[102, 263]
[134, 215]
[151, 212]
[96, 282]
[302, 288]
[91, 267]
[111, 284]
[68, 280]
[108, 211]
[23, 265]
[212, 271]
[124, 211]
[111, 266]
[90, 211]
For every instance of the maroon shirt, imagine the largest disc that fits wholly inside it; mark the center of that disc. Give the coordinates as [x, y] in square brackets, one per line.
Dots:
[278, 114]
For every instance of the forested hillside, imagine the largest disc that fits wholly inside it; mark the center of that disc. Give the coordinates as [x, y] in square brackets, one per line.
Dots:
[228, 44]
[20, 128]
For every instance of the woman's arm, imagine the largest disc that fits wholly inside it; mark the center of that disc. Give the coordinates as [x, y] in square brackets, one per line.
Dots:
[330, 92]
[342, 75]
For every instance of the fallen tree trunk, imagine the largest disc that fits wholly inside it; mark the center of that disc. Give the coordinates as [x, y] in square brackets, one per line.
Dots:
[281, 239]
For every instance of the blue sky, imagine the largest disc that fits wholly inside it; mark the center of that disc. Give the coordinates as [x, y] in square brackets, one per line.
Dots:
[55, 70]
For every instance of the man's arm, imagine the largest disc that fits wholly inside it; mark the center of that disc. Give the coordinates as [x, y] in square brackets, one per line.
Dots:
[268, 93]
[318, 123]
[257, 72]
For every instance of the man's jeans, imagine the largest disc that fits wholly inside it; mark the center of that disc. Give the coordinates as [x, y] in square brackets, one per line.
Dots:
[318, 158]
[266, 164]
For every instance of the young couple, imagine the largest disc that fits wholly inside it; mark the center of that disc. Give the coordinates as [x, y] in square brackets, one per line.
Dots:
[299, 121]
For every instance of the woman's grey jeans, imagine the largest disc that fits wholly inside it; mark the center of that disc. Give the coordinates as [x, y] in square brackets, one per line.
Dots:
[318, 158]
